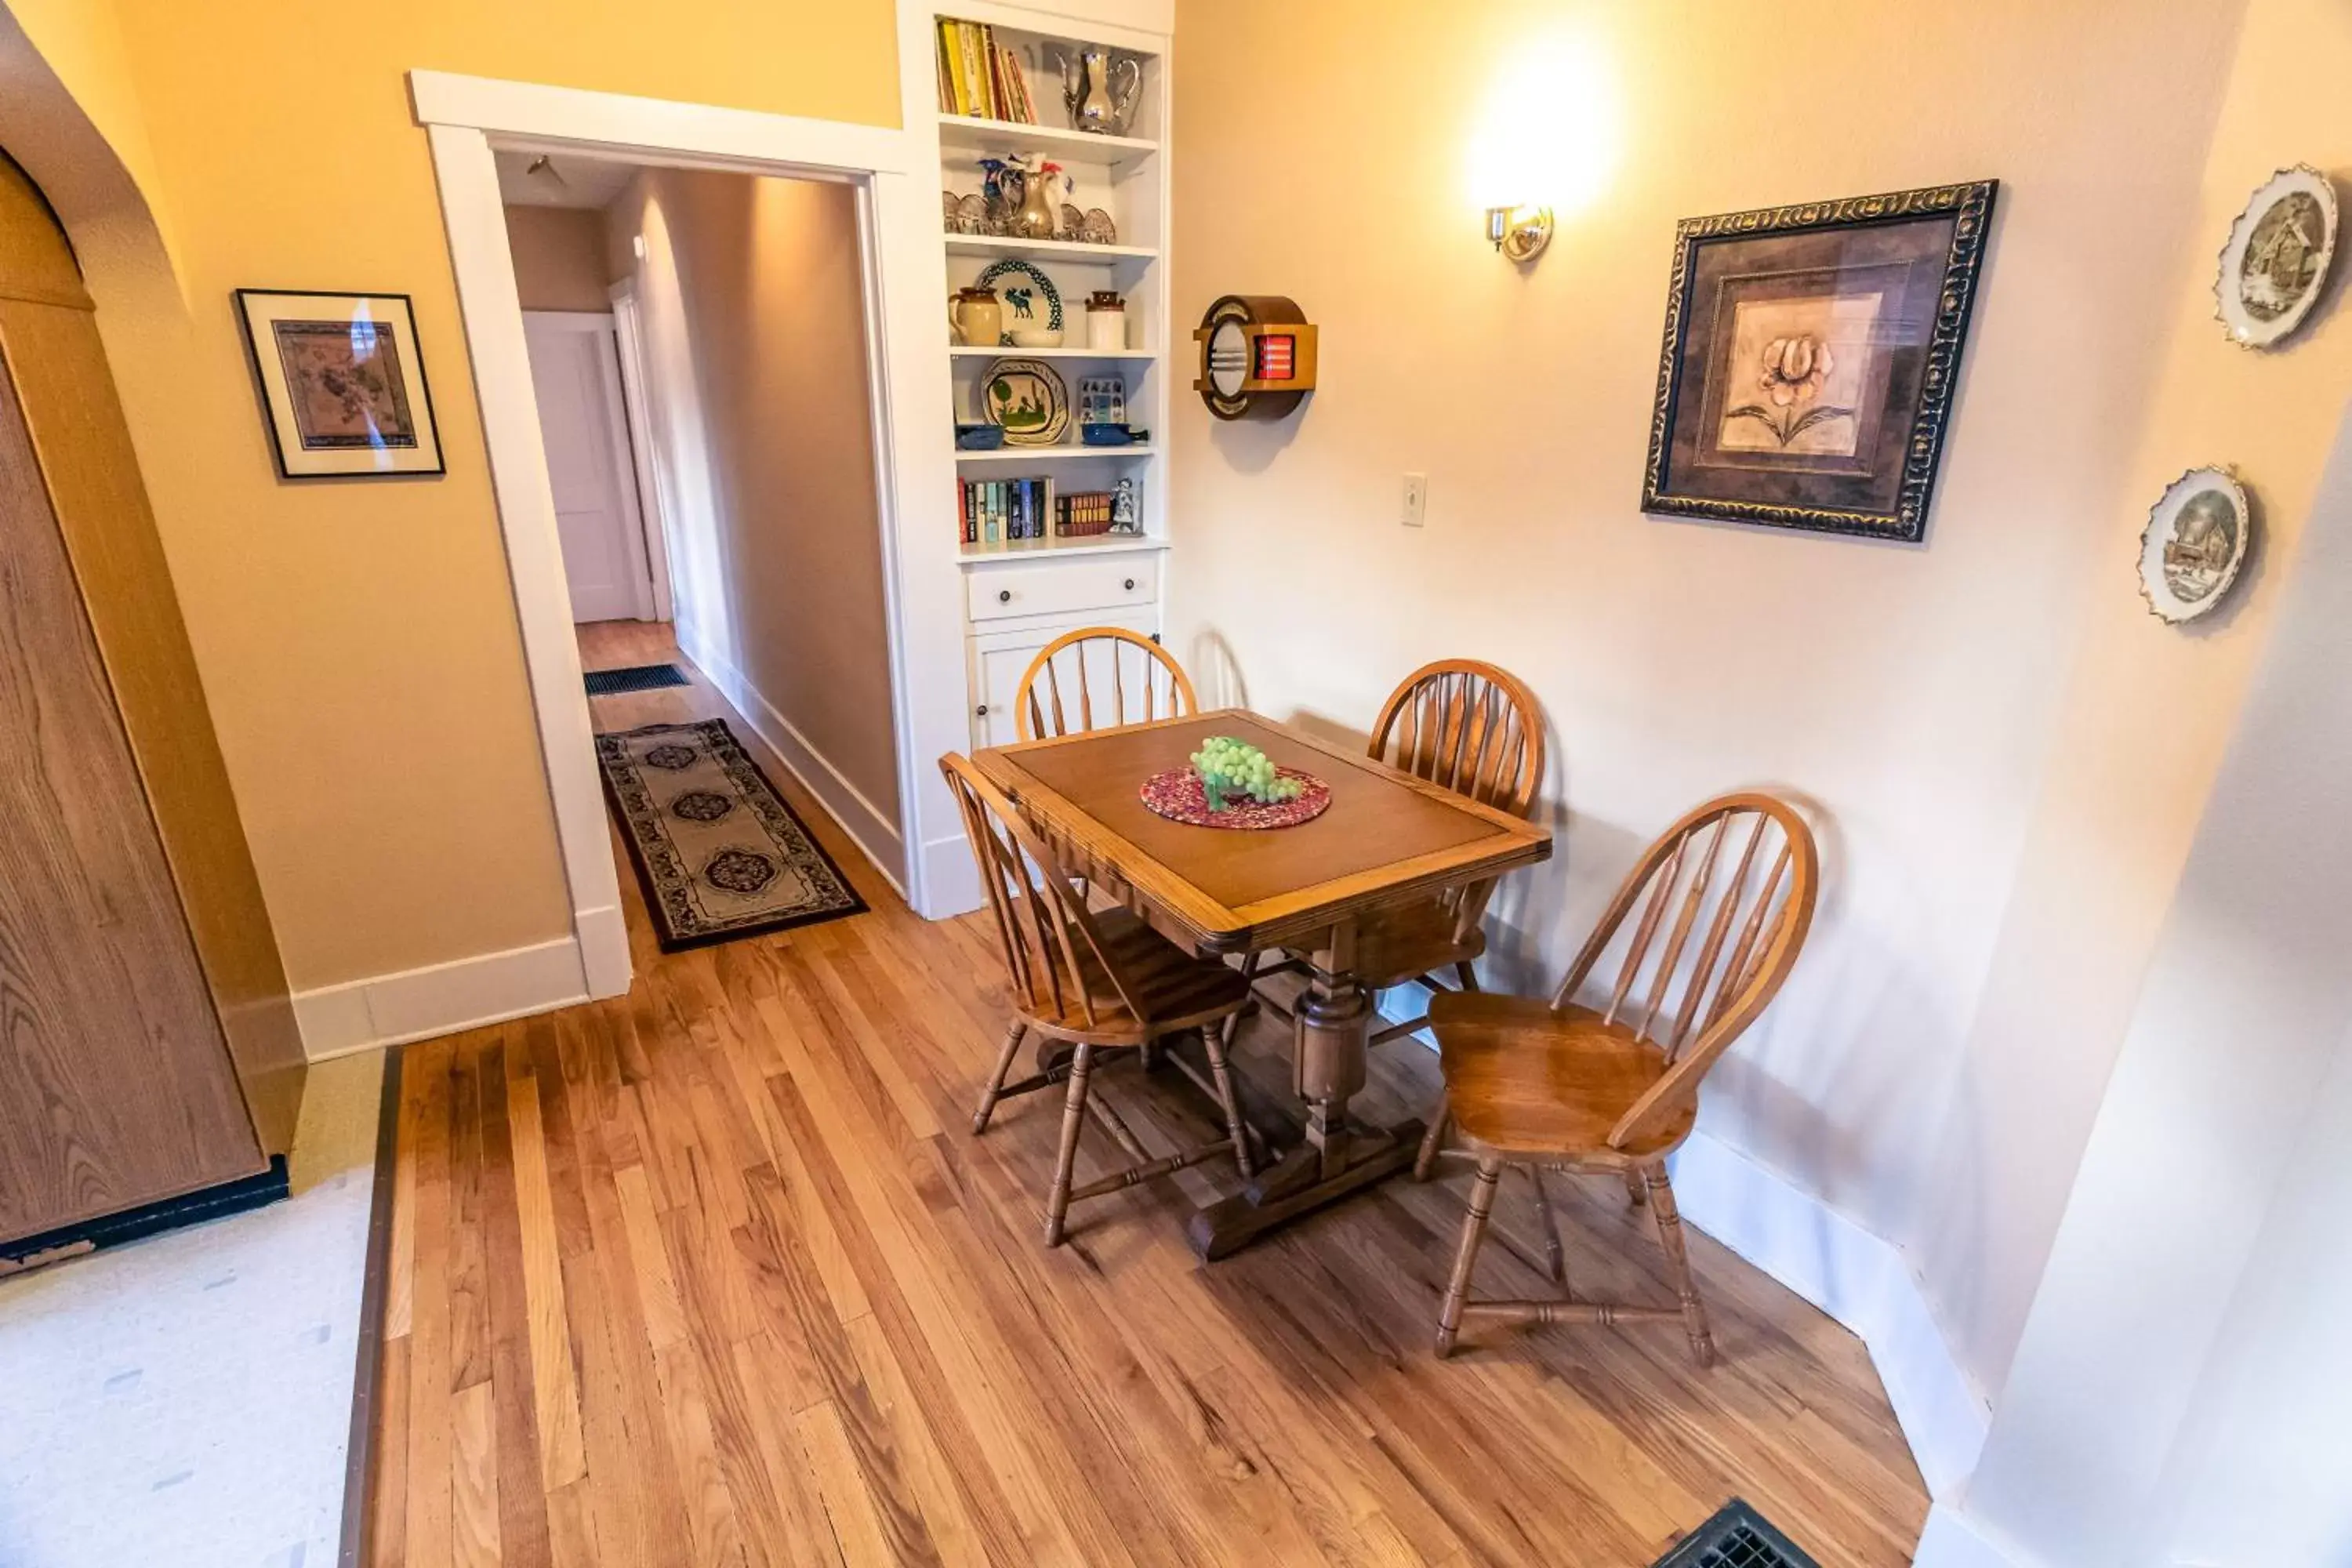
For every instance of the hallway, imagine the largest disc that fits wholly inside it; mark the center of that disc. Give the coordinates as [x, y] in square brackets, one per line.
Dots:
[714, 1274]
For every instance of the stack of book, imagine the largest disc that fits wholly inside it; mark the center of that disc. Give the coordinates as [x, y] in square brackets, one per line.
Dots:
[1084, 513]
[981, 77]
[1003, 511]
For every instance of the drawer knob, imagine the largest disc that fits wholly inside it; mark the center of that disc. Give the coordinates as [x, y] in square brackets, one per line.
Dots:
[1131, 585]
[981, 710]
[1004, 595]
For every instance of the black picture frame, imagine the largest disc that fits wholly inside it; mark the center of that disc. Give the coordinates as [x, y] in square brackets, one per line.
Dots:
[418, 454]
[1898, 273]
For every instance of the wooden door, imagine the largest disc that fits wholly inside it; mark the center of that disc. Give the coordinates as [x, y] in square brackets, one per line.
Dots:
[576, 370]
[115, 1084]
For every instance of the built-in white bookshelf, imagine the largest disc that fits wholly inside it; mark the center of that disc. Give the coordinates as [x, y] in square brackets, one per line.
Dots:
[1126, 176]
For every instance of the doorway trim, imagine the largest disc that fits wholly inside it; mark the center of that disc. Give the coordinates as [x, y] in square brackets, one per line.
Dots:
[465, 118]
[652, 510]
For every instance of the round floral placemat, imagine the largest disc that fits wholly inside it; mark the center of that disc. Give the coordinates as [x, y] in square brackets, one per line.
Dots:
[1176, 796]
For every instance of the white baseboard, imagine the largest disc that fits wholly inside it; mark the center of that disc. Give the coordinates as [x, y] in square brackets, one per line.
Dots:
[865, 823]
[1858, 1278]
[440, 999]
[951, 881]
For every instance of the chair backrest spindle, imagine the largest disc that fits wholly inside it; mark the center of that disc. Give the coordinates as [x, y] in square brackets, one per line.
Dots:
[1474, 728]
[1157, 688]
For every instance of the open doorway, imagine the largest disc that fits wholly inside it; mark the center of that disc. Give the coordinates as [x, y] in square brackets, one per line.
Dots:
[698, 345]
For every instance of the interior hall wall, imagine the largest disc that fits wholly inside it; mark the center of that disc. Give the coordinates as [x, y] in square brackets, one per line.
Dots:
[558, 257]
[751, 293]
[358, 639]
[1913, 698]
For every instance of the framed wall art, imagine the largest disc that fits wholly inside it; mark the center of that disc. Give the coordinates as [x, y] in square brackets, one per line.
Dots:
[342, 383]
[2274, 263]
[2194, 545]
[1810, 361]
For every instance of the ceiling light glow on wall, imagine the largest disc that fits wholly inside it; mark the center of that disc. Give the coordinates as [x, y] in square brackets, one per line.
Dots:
[1547, 142]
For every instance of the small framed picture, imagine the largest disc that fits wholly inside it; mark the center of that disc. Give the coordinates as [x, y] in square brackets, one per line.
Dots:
[2194, 545]
[342, 383]
[1811, 356]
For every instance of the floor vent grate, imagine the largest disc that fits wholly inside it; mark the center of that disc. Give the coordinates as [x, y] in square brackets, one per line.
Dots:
[634, 678]
[1737, 1537]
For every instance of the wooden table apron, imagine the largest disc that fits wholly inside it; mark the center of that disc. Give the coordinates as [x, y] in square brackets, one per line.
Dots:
[1388, 837]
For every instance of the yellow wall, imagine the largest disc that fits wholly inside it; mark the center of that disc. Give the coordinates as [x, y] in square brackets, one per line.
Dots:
[558, 257]
[1916, 697]
[357, 639]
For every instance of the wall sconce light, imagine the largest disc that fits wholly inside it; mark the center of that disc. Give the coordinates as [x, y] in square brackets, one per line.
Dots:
[1519, 233]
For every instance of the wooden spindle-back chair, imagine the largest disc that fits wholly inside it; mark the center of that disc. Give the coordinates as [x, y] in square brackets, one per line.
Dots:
[1098, 677]
[1475, 728]
[1701, 936]
[1100, 980]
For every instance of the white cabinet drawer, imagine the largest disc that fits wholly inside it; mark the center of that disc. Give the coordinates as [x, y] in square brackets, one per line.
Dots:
[1063, 587]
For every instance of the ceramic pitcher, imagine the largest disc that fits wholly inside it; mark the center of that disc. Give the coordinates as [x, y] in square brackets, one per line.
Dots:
[978, 318]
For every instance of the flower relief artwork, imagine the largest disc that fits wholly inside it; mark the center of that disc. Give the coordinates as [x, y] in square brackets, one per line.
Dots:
[346, 381]
[1809, 357]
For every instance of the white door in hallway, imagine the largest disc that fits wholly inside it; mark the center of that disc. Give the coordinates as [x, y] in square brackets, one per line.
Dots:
[576, 371]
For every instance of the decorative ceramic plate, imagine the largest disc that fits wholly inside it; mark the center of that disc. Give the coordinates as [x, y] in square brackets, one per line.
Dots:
[1176, 796]
[1073, 220]
[971, 213]
[948, 203]
[2195, 541]
[1096, 227]
[1026, 396]
[2275, 263]
[1021, 299]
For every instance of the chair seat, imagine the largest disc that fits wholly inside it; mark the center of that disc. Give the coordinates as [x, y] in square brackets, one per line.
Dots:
[1175, 990]
[1524, 1080]
[1394, 945]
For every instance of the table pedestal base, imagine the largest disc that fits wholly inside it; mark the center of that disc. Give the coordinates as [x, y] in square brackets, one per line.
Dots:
[1296, 1186]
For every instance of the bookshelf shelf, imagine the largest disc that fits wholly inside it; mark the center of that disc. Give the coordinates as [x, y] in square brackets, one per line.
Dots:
[1068, 452]
[963, 350]
[1032, 549]
[995, 137]
[995, 245]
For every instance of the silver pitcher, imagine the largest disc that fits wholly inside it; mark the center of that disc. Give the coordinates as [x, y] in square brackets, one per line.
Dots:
[1099, 88]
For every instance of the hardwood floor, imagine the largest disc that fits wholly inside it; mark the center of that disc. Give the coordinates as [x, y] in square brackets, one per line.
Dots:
[714, 1275]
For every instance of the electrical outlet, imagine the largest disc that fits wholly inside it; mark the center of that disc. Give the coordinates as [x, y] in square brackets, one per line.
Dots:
[1416, 499]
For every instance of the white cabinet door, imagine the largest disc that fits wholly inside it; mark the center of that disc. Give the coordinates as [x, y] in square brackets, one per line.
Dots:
[576, 373]
[999, 660]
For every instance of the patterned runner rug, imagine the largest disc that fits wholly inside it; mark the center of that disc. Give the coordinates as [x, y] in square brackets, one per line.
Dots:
[720, 853]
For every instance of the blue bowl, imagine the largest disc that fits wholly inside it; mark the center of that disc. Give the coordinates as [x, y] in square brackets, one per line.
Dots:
[979, 437]
[1103, 436]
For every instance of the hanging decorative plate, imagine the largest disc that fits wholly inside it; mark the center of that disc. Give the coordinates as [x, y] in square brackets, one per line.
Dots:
[1027, 399]
[1096, 227]
[1176, 796]
[1022, 300]
[2275, 263]
[2195, 541]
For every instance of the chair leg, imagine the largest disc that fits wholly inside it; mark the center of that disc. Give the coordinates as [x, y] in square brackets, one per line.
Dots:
[1233, 1024]
[1073, 1115]
[995, 1089]
[1670, 1235]
[1634, 1194]
[1467, 973]
[1222, 1075]
[1466, 1257]
[1433, 1141]
[1554, 1257]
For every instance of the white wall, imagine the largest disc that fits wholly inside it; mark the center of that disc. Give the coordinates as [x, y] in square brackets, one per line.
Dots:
[752, 294]
[1910, 696]
[2180, 1393]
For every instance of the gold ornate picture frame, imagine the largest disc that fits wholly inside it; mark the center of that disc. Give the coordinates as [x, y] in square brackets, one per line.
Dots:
[1810, 359]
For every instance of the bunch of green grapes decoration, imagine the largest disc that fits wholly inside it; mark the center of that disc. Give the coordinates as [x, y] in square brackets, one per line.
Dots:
[1232, 770]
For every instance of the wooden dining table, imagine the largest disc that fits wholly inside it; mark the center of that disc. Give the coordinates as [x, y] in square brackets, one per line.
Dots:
[1388, 839]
